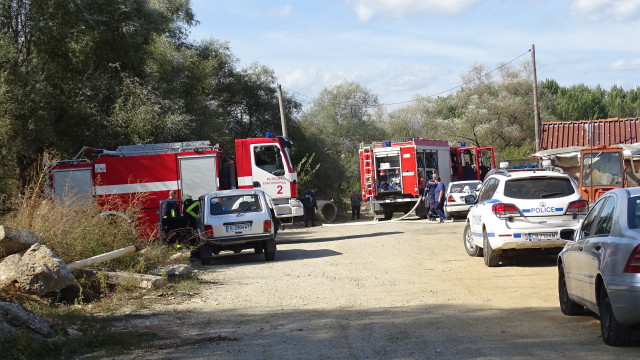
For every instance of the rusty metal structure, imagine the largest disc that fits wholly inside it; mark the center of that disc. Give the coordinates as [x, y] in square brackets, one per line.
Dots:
[607, 132]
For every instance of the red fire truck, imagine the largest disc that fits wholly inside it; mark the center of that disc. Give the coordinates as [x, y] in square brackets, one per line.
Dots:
[146, 173]
[391, 172]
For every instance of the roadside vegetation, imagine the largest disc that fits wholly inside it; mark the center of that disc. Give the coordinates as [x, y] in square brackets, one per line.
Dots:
[77, 76]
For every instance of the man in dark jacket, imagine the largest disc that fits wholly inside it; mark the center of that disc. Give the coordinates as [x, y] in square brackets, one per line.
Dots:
[310, 203]
[430, 190]
[355, 205]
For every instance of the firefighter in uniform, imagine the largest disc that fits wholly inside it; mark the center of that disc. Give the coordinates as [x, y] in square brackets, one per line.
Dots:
[191, 211]
[168, 215]
[170, 208]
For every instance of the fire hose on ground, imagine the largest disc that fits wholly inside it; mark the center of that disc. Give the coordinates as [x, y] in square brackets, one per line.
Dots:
[410, 211]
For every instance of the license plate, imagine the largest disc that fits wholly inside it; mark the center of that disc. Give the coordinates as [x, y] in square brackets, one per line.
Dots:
[543, 236]
[238, 227]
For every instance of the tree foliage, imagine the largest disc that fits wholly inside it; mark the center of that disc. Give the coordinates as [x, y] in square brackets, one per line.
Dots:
[341, 117]
[106, 73]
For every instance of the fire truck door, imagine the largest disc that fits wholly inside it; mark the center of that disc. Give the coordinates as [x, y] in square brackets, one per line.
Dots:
[73, 182]
[269, 171]
[198, 175]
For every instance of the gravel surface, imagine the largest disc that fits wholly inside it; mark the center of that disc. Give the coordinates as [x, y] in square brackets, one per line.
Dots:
[374, 290]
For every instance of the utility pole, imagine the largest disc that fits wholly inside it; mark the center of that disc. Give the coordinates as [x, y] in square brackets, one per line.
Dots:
[536, 113]
[282, 119]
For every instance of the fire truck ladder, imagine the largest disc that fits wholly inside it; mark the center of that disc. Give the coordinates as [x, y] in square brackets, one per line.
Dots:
[367, 168]
[163, 148]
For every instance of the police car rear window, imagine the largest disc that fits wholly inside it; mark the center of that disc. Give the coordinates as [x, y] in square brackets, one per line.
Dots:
[538, 188]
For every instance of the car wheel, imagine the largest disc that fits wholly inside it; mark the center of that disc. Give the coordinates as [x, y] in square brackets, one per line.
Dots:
[206, 255]
[270, 250]
[469, 245]
[613, 333]
[567, 306]
[491, 258]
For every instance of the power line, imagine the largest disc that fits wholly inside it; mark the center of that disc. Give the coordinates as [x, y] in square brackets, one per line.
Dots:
[420, 97]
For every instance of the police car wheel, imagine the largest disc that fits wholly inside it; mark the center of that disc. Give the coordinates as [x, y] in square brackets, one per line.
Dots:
[471, 248]
[491, 258]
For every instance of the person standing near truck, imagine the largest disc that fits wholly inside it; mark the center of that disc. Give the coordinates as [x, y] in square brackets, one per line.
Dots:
[310, 203]
[440, 197]
[430, 190]
[170, 208]
[355, 205]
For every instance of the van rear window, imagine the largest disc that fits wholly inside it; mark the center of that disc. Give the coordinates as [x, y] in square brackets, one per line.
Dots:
[234, 204]
[538, 188]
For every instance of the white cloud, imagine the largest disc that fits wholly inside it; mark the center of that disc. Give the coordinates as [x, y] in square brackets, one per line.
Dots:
[617, 10]
[367, 9]
[624, 64]
[282, 11]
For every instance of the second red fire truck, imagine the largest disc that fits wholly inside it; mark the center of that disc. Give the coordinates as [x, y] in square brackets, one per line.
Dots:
[393, 173]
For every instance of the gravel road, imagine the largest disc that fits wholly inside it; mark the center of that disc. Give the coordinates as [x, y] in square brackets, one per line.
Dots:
[374, 290]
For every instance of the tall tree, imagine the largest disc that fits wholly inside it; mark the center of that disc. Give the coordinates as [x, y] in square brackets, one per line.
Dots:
[341, 117]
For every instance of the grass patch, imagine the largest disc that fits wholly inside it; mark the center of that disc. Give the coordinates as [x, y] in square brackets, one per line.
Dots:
[86, 318]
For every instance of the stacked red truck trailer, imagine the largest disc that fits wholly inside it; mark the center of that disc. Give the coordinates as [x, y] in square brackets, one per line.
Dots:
[144, 174]
[393, 173]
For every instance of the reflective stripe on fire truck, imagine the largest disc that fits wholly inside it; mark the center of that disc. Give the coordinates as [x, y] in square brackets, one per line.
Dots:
[245, 181]
[139, 187]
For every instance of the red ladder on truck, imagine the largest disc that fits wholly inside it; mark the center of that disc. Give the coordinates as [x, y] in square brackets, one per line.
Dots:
[368, 185]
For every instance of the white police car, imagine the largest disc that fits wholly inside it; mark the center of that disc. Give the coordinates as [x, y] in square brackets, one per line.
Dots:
[519, 209]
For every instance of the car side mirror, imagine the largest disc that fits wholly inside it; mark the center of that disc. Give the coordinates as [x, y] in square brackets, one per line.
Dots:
[567, 234]
[470, 199]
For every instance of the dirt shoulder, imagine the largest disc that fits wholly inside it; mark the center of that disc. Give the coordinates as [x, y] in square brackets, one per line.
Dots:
[385, 290]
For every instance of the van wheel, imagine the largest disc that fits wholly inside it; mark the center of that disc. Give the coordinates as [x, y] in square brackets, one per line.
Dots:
[469, 245]
[270, 250]
[613, 333]
[206, 254]
[491, 258]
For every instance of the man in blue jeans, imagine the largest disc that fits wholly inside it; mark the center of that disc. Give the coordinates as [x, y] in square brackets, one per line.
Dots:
[440, 198]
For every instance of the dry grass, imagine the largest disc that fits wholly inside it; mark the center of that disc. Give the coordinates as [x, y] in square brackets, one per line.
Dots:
[76, 229]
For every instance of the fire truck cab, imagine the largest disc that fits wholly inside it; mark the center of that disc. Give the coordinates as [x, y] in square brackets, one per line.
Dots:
[143, 175]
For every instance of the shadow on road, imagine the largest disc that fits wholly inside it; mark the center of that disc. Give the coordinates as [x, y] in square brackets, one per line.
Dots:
[250, 258]
[304, 238]
[534, 260]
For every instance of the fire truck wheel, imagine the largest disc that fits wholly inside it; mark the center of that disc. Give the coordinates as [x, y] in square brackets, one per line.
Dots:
[388, 214]
[270, 250]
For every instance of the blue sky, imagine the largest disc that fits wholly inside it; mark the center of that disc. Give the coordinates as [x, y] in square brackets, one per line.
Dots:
[402, 48]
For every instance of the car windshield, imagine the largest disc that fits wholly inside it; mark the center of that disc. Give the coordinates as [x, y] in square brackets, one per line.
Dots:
[538, 188]
[602, 168]
[234, 204]
[633, 212]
